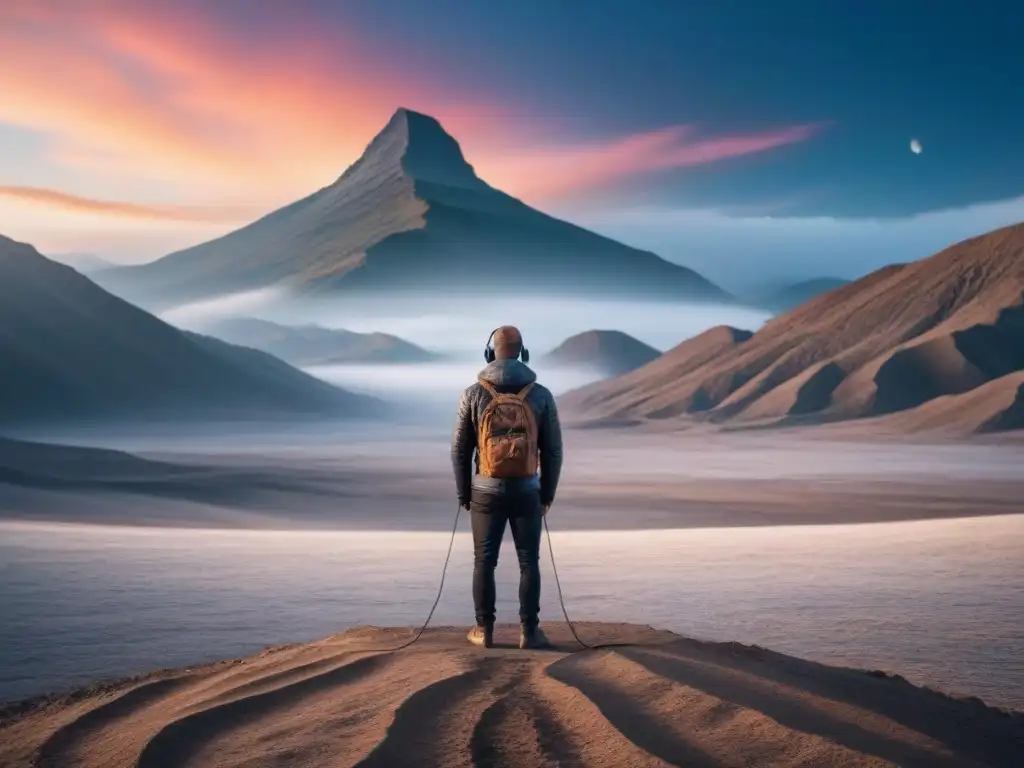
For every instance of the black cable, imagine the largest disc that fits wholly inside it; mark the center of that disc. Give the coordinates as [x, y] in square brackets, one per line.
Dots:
[440, 589]
[558, 585]
[561, 600]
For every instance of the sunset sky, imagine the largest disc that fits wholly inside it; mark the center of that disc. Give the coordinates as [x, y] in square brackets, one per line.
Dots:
[730, 136]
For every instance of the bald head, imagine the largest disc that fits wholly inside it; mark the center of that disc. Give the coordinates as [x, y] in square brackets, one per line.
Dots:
[507, 343]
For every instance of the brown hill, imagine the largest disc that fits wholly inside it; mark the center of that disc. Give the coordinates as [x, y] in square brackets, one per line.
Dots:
[410, 215]
[995, 406]
[608, 353]
[891, 341]
[652, 390]
[71, 351]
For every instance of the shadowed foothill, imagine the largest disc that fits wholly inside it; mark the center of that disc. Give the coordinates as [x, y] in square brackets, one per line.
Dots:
[309, 345]
[74, 353]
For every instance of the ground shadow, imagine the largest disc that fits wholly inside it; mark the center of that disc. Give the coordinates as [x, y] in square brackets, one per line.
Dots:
[771, 683]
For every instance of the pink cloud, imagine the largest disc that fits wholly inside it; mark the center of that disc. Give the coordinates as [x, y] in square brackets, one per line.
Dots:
[172, 95]
[168, 95]
[560, 170]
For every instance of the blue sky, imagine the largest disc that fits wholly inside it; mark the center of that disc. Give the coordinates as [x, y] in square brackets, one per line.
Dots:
[754, 141]
[878, 73]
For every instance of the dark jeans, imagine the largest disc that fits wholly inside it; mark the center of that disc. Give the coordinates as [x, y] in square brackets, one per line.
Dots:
[489, 515]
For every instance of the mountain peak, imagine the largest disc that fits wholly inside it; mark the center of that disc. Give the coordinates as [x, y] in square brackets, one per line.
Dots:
[425, 150]
[409, 215]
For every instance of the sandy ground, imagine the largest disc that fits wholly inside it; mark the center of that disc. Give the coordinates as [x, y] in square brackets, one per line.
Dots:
[612, 479]
[662, 701]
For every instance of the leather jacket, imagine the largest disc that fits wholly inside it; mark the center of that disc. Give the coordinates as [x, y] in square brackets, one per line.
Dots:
[506, 376]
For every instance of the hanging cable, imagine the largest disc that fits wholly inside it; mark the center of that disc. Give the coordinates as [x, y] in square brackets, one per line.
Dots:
[558, 586]
[440, 589]
[561, 601]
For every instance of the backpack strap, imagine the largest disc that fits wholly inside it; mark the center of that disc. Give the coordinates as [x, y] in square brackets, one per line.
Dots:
[520, 395]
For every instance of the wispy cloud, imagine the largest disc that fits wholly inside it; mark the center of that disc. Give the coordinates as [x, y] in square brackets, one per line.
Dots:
[172, 93]
[190, 213]
[557, 170]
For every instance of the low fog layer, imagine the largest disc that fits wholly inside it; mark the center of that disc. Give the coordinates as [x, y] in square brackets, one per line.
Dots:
[195, 315]
[435, 385]
[458, 326]
[459, 323]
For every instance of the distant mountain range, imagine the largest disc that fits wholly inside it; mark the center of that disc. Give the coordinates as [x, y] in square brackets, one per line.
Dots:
[607, 353]
[70, 351]
[936, 344]
[83, 262]
[409, 215]
[793, 296]
[308, 345]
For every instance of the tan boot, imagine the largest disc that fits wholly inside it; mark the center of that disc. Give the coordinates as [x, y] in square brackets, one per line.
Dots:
[482, 636]
[532, 638]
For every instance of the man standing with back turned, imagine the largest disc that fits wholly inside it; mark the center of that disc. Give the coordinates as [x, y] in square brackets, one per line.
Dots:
[511, 424]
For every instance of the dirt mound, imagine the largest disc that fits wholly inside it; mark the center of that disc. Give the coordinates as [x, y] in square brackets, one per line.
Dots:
[664, 700]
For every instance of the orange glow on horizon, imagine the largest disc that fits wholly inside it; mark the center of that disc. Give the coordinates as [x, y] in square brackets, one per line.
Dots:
[68, 202]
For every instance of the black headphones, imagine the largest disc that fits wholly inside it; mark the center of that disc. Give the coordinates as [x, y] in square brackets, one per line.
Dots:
[524, 353]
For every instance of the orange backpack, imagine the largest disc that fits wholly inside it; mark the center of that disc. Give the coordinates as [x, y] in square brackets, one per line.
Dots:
[507, 441]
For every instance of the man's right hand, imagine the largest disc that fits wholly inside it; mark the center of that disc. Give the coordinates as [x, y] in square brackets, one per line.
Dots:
[544, 509]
